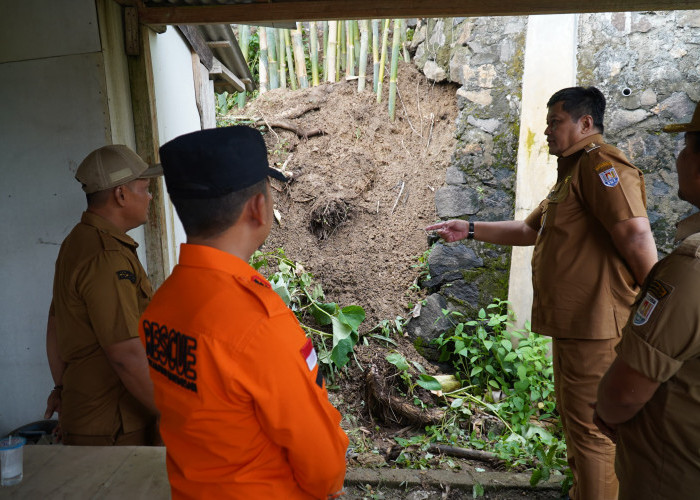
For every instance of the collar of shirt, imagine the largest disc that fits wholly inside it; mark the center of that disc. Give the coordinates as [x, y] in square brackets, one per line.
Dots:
[213, 258]
[597, 138]
[105, 226]
[686, 227]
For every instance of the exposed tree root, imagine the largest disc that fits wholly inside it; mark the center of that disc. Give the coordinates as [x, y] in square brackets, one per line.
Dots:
[394, 410]
[326, 215]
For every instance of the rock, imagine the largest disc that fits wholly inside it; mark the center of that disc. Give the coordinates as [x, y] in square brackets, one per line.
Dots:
[428, 326]
[677, 108]
[623, 118]
[454, 176]
[462, 292]
[489, 125]
[456, 201]
[451, 258]
[482, 97]
[648, 98]
[434, 72]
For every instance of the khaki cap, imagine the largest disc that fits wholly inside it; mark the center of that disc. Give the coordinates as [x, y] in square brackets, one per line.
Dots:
[693, 126]
[111, 166]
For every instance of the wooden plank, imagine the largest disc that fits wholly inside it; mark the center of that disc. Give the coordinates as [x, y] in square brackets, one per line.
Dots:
[204, 94]
[143, 103]
[105, 472]
[198, 44]
[224, 73]
[132, 47]
[307, 10]
[223, 44]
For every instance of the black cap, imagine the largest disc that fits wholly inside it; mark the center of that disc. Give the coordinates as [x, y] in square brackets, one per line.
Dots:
[215, 162]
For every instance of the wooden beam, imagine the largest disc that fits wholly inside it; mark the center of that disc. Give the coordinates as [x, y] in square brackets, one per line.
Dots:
[198, 44]
[143, 103]
[308, 10]
[223, 72]
[132, 47]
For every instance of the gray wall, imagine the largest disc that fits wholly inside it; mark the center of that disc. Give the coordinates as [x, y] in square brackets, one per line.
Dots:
[53, 111]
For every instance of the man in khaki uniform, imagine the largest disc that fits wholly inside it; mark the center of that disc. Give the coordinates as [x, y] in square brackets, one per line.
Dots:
[593, 244]
[103, 393]
[649, 400]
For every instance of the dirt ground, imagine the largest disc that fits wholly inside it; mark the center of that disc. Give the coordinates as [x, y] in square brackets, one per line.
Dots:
[353, 215]
[374, 180]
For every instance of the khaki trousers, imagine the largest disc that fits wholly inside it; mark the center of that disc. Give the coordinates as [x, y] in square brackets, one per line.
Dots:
[578, 367]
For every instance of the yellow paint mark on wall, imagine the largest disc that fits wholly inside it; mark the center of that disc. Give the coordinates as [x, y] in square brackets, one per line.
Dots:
[529, 142]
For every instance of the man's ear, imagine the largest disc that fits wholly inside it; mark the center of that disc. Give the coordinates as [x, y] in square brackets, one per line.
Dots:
[257, 205]
[118, 196]
[586, 124]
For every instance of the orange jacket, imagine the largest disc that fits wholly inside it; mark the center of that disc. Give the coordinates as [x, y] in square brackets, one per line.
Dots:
[244, 413]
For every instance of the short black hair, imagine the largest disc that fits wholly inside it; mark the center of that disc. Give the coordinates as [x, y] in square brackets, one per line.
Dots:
[209, 217]
[694, 142]
[580, 101]
[98, 198]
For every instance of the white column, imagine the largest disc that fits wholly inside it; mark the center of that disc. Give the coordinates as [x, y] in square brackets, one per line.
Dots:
[550, 65]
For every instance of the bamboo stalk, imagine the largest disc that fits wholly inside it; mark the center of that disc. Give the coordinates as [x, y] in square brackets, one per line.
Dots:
[350, 49]
[394, 67]
[375, 53]
[404, 41]
[339, 51]
[382, 61]
[332, 47]
[324, 48]
[263, 66]
[282, 58]
[364, 29]
[272, 58]
[290, 60]
[356, 37]
[299, 57]
[244, 42]
[343, 47]
[313, 48]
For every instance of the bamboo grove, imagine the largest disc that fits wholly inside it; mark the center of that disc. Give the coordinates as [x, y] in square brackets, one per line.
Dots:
[326, 51]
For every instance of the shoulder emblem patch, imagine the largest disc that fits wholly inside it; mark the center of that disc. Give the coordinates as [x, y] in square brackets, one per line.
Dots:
[309, 354]
[609, 177]
[655, 293]
[126, 275]
[591, 146]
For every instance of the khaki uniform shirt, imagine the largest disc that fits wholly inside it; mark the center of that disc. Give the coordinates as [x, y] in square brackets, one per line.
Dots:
[100, 290]
[658, 450]
[583, 289]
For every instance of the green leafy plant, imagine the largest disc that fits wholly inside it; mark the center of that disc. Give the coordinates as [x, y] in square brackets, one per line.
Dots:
[296, 287]
[423, 380]
[509, 375]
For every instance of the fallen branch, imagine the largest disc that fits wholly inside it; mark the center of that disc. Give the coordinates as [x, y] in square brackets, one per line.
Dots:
[454, 451]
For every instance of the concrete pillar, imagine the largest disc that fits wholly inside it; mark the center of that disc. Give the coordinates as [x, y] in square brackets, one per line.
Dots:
[550, 65]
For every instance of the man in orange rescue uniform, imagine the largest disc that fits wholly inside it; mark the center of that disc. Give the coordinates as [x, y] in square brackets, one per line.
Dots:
[244, 411]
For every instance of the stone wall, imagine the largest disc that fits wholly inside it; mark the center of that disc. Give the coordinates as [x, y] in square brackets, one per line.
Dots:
[646, 64]
[485, 56]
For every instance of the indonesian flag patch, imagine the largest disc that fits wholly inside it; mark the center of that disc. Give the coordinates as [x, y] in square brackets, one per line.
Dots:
[309, 354]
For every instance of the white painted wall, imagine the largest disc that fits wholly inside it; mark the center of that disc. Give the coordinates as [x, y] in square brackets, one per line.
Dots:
[176, 107]
[550, 65]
